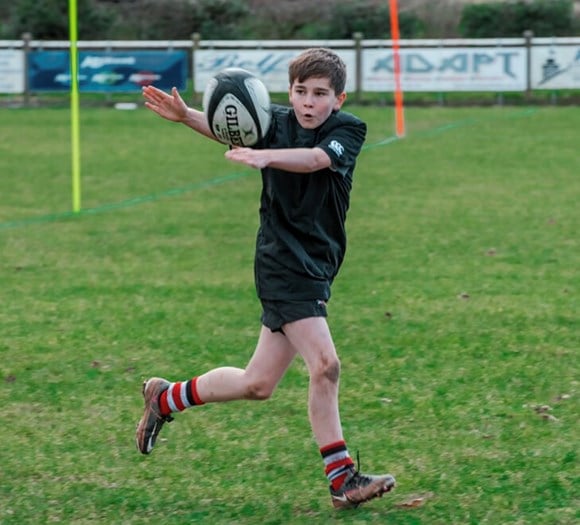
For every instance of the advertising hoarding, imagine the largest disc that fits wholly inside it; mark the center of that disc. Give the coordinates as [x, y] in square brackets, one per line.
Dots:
[446, 69]
[108, 71]
[11, 71]
[270, 65]
[555, 67]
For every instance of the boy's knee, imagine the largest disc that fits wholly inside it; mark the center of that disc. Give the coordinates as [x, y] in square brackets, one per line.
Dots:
[259, 391]
[329, 369]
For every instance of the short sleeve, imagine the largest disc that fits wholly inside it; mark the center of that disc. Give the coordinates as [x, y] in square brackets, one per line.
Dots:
[343, 143]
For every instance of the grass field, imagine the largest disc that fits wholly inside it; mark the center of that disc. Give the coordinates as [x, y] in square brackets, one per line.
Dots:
[456, 316]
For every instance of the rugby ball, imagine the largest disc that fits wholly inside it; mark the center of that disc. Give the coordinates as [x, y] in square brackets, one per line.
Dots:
[237, 107]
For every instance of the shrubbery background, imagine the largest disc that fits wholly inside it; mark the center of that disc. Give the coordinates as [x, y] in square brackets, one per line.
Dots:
[285, 19]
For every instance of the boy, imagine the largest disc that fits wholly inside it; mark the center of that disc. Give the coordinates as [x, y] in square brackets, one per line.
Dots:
[307, 161]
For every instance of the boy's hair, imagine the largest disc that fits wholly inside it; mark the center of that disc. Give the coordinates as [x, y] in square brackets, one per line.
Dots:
[319, 62]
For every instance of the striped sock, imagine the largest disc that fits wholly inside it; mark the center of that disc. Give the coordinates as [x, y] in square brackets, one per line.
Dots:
[179, 396]
[337, 463]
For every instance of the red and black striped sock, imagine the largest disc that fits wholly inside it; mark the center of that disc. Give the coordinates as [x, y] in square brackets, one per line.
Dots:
[179, 396]
[337, 463]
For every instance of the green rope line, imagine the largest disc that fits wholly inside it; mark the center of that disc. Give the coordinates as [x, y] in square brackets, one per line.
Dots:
[122, 204]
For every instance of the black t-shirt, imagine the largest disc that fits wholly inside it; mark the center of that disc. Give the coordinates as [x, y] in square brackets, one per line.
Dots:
[301, 241]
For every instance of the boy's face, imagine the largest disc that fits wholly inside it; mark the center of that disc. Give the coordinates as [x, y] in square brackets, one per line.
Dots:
[313, 101]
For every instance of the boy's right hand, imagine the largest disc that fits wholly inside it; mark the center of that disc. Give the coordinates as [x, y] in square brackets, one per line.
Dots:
[169, 106]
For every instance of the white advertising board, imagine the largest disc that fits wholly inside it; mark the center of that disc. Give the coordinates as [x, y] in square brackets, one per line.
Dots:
[270, 65]
[11, 71]
[556, 67]
[447, 69]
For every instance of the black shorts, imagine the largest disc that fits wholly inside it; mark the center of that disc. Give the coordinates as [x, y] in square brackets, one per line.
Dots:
[276, 314]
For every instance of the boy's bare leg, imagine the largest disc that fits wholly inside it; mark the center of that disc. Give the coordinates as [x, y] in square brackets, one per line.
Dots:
[348, 488]
[312, 340]
[272, 357]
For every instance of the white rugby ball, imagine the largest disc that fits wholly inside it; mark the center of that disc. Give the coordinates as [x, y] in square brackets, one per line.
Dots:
[236, 104]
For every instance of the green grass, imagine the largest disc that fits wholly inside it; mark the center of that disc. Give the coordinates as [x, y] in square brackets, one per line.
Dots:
[456, 316]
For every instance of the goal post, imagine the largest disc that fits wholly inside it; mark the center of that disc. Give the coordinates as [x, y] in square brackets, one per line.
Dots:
[74, 107]
[395, 36]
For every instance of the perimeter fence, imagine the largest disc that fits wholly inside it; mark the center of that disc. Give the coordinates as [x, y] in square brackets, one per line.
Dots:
[30, 67]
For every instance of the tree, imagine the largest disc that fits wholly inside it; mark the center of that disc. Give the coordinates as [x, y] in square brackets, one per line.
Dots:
[492, 19]
[48, 19]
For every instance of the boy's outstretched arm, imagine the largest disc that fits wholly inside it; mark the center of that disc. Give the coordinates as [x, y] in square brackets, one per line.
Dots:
[172, 107]
[296, 160]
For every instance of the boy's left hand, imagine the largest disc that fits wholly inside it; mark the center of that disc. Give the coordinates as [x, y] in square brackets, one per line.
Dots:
[254, 158]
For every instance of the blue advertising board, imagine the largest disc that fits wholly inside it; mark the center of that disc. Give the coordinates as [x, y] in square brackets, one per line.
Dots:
[108, 71]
